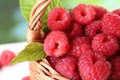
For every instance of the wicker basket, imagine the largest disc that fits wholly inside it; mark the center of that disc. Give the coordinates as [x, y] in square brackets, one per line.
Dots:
[40, 70]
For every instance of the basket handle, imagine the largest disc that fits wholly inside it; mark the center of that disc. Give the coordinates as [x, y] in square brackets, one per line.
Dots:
[34, 30]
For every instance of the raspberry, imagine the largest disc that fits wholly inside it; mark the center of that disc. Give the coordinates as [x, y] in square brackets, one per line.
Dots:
[6, 57]
[111, 24]
[53, 60]
[76, 46]
[76, 31]
[56, 44]
[115, 70]
[84, 14]
[58, 19]
[100, 11]
[105, 44]
[93, 66]
[26, 78]
[117, 11]
[93, 28]
[67, 68]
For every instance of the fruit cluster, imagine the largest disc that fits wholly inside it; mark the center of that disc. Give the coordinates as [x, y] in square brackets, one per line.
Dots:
[83, 43]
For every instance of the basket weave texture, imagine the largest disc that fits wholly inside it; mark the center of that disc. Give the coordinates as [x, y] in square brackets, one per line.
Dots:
[40, 70]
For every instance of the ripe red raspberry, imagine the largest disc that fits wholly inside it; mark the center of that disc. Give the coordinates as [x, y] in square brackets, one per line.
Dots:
[67, 67]
[93, 28]
[115, 70]
[53, 60]
[6, 57]
[105, 44]
[58, 19]
[76, 46]
[56, 44]
[93, 66]
[76, 31]
[26, 78]
[111, 24]
[84, 14]
[117, 11]
[100, 11]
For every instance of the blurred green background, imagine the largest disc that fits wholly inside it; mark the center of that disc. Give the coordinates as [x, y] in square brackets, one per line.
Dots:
[13, 24]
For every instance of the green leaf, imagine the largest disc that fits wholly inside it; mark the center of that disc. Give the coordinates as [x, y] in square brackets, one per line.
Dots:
[26, 6]
[32, 52]
[54, 3]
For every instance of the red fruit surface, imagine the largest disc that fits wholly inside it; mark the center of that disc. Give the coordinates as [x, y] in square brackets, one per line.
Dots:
[85, 47]
[26, 78]
[6, 57]
[93, 66]
[67, 68]
[58, 19]
[0, 66]
[84, 14]
[115, 70]
[105, 44]
[100, 11]
[53, 60]
[76, 31]
[111, 24]
[93, 29]
[76, 46]
[56, 44]
[117, 11]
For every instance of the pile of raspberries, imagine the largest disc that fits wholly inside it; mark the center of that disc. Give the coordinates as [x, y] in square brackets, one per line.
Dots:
[83, 43]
